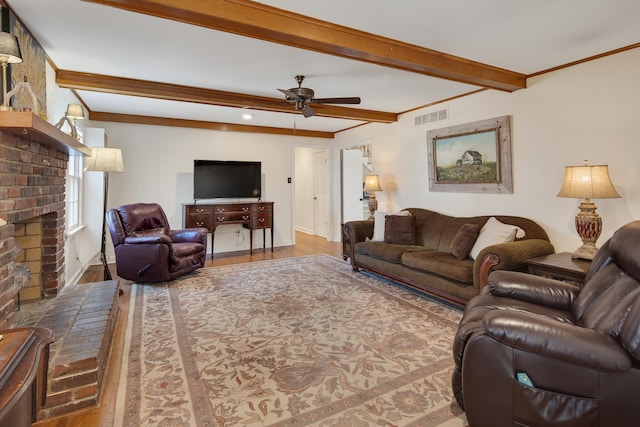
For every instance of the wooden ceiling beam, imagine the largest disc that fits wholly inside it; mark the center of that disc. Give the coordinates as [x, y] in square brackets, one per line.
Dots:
[133, 87]
[256, 20]
[199, 124]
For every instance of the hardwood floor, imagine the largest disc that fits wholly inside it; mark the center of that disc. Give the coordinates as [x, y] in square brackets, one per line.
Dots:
[102, 415]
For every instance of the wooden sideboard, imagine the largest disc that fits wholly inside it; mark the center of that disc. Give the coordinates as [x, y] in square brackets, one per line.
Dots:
[251, 215]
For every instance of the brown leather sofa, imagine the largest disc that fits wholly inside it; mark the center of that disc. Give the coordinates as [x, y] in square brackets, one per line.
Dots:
[429, 265]
[146, 248]
[579, 347]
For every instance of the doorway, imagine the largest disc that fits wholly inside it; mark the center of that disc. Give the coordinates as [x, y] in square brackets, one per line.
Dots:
[311, 191]
[354, 166]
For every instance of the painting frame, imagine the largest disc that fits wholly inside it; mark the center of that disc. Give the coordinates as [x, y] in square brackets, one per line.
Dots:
[484, 161]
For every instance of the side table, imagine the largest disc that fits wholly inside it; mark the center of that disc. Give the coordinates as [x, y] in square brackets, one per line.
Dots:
[560, 266]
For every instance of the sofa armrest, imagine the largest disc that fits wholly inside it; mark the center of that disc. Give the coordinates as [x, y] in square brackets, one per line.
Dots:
[352, 233]
[358, 231]
[534, 289]
[507, 256]
[562, 341]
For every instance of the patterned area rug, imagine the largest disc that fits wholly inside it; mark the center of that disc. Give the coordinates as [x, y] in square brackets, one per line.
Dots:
[300, 341]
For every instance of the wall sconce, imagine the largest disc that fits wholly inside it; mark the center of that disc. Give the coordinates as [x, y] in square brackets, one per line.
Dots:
[587, 182]
[75, 112]
[9, 54]
[371, 185]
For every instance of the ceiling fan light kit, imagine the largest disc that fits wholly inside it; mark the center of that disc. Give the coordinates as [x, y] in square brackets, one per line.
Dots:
[301, 97]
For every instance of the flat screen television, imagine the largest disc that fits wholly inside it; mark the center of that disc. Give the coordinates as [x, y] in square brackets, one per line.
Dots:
[213, 179]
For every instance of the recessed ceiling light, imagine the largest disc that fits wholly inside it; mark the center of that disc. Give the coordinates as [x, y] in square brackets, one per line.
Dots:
[247, 116]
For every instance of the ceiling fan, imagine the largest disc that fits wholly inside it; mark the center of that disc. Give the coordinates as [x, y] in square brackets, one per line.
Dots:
[303, 96]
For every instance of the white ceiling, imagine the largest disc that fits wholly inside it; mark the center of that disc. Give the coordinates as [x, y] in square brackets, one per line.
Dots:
[525, 37]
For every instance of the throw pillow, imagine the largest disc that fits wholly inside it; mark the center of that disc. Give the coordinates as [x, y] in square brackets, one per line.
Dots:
[400, 229]
[464, 240]
[492, 233]
[379, 221]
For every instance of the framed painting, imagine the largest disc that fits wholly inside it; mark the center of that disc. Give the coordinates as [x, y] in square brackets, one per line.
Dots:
[471, 158]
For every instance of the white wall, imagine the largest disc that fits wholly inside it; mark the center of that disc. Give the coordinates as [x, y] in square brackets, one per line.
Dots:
[589, 111]
[158, 163]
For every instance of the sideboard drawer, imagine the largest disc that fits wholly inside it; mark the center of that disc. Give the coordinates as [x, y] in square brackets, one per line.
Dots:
[199, 220]
[234, 217]
[198, 210]
[226, 209]
[262, 220]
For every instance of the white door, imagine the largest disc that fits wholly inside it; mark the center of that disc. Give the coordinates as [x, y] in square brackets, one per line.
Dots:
[352, 204]
[320, 196]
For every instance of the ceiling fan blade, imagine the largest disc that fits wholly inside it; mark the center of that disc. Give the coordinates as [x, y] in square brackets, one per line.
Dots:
[348, 100]
[307, 111]
[290, 94]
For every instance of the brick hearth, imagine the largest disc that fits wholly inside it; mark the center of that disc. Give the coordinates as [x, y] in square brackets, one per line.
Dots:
[83, 319]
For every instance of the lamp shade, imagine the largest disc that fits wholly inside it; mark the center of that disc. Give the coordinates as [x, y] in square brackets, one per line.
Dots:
[587, 182]
[372, 183]
[105, 160]
[9, 48]
[75, 111]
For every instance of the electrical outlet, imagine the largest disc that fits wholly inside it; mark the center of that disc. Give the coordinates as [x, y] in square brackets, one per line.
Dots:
[238, 233]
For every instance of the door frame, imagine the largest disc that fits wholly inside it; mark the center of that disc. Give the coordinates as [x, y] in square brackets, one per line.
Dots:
[330, 172]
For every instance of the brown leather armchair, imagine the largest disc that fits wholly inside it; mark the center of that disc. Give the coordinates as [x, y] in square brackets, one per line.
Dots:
[579, 346]
[146, 248]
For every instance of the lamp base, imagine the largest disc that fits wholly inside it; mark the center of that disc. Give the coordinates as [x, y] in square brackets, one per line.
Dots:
[373, 205]
[5, 108]
[589, 227]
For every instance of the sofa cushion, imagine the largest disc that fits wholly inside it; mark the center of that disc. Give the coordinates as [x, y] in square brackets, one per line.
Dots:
[464, 240]
[440, 263]
[386, 251]
[400, 229]
[379, 224]
[492, 233]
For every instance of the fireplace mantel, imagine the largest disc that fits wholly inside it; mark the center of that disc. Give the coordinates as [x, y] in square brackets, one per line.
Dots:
[28, 125]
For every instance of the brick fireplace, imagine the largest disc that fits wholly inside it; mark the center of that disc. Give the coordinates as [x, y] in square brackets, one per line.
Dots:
[33, 165]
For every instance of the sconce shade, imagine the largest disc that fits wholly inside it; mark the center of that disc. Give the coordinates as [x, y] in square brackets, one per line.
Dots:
[372, 183]
[105, 160]
[9, 48]
[587, 182]
[75, 111]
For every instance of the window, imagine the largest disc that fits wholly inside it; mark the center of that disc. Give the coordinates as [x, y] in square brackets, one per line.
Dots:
[74, 193]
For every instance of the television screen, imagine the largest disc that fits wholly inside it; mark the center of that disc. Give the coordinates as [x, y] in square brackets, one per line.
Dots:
[214, 179]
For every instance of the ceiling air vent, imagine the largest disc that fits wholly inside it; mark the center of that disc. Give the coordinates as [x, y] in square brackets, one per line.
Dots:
[434, 116]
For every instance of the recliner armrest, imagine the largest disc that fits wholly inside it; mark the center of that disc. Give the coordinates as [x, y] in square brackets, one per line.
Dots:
[534, 289]
[189, 235]
[147, 239]
[563, 341]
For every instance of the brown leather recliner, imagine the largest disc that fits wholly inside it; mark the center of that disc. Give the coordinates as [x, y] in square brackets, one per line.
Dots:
[146, 248]
[579, 346]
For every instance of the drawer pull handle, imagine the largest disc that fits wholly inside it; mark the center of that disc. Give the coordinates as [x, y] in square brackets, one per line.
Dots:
[245, 217]
[245, 209]
[261, 208]
[199, 210]
[220, 210]
[220, 219]
[261, 220]
[200, 224]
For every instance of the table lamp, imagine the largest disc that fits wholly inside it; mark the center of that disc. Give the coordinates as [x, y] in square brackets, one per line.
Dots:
[587, 182]
[371, 185]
